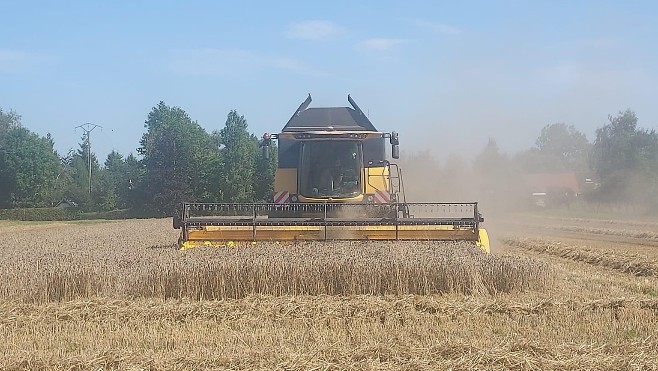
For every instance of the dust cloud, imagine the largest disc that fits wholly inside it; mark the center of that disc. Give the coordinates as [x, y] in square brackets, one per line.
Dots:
[455, 179]
[498, 189]
[504, 194]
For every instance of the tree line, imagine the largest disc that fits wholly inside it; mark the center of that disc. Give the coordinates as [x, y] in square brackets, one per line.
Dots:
[621, 161]
[178, 160]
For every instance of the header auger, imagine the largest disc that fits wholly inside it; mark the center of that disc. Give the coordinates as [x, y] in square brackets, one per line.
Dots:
[332, 182]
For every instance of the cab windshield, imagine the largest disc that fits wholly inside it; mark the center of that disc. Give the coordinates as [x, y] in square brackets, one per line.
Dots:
[330, 169]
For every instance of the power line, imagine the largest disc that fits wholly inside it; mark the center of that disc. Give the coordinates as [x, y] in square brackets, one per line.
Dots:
[88, 128]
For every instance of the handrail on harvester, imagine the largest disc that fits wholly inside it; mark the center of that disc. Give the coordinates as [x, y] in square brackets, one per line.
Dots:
[463, 215]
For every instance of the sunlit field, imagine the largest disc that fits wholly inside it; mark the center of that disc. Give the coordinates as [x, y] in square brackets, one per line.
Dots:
[119, 295]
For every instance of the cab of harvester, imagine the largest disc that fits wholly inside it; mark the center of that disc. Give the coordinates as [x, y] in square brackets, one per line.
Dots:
[334, 154]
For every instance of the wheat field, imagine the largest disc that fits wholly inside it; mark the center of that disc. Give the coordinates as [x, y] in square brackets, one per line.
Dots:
[119, 295]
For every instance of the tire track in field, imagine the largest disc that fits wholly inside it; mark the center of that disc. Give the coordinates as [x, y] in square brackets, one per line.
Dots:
[573, 235]
[625, 263]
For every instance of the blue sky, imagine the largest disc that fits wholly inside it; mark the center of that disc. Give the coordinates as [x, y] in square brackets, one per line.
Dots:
[446, 75]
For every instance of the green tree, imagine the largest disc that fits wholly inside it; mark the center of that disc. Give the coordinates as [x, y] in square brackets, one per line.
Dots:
[175, 152]
[264, 169]
[124, 178]
[625, 159]
[28, 165]
[564, 144]
[131, 194]
[78, 190]
[64, 178]
[112, 178]
[238, 154]
[104, 194]
[559, 147]
[8, 121]
[613, 147]
[118, 178]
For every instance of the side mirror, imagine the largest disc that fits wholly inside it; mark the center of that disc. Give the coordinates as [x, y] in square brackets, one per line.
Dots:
[265, 145]
[395, 143]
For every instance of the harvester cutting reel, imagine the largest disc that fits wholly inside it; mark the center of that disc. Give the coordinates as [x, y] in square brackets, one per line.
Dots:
[224, 223]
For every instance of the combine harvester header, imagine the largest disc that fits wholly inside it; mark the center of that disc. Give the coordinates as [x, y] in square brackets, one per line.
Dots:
[332, 182]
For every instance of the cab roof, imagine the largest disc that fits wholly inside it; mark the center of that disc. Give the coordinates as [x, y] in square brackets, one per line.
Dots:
[338, 118]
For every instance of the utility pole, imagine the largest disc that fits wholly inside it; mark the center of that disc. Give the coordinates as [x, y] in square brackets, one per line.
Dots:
[88, 128]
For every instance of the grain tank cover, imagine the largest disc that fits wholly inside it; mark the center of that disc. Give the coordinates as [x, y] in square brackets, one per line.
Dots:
[322, 118]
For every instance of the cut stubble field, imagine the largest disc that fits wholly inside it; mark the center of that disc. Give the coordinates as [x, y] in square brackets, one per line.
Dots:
[119, 295]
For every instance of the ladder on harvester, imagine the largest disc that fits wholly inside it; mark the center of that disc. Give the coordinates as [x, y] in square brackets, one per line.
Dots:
[397, 190]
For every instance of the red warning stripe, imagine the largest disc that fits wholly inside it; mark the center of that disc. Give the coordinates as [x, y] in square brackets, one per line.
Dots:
[382, 197]
[282, 197]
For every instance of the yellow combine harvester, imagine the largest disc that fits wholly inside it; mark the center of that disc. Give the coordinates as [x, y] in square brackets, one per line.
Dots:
[333, 182]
